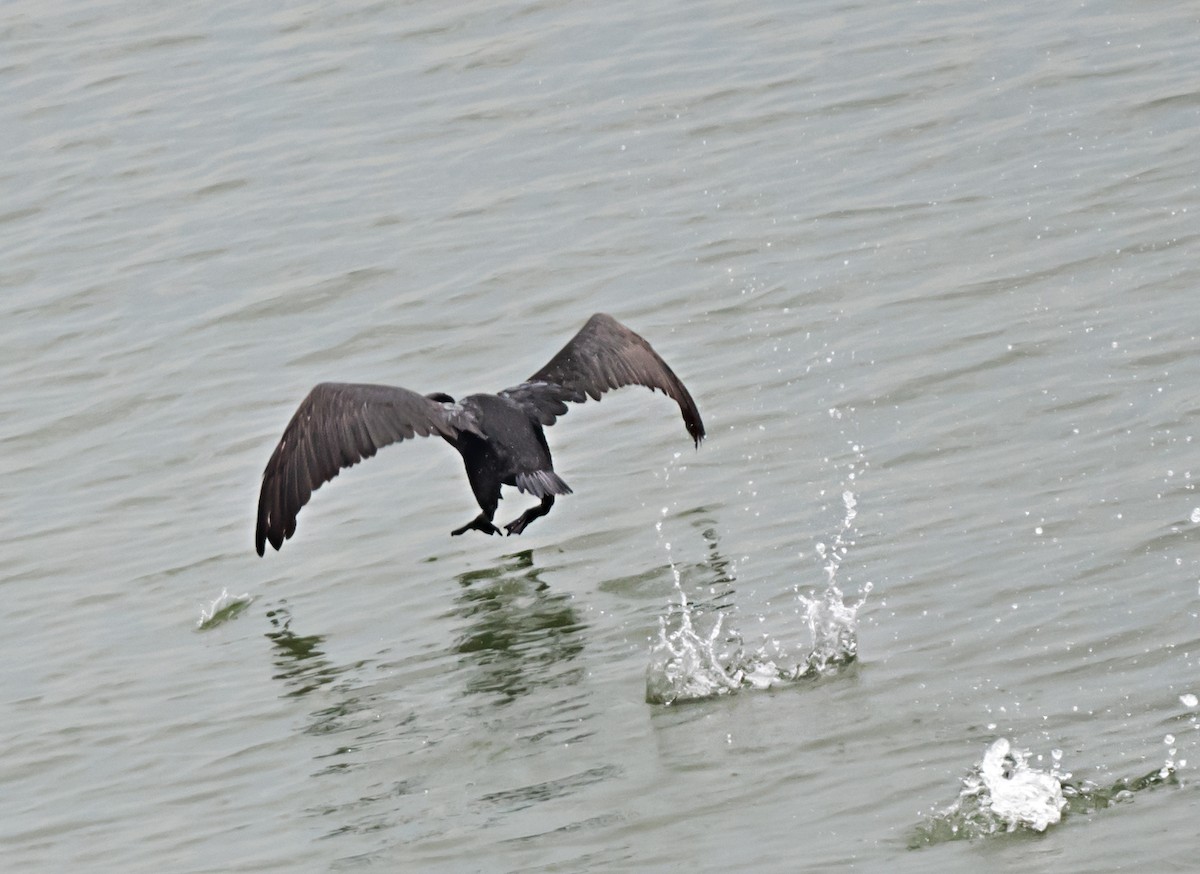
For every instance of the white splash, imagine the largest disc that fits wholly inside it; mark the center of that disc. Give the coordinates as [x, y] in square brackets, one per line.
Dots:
[701, 655]
[833, 629]
[222, 609]
[1016, 794]
[690, 665]
[1003, 793]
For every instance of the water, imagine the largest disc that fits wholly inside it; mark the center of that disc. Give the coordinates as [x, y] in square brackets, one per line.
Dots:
[938, 257]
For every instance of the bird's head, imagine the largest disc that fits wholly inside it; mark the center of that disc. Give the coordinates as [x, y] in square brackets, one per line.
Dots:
[441, 397]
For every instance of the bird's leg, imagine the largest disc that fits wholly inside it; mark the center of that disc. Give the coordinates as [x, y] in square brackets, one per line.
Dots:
[516, 526]
[482, 522]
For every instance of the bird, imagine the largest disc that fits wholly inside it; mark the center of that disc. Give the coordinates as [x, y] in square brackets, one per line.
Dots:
[499, 436]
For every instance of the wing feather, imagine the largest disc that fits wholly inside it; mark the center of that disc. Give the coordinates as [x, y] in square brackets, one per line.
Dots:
[336, 426]
[604, 355]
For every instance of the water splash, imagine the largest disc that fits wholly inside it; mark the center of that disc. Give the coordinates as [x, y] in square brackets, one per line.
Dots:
[224, 608]
[686, 665]
[700, 655]
[689, 664]
[834, 554]
[1004, 794]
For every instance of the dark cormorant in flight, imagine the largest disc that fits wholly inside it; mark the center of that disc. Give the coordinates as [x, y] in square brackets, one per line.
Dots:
[499, 436]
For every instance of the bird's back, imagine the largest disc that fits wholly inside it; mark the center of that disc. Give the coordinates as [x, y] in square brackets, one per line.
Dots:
[515, 442]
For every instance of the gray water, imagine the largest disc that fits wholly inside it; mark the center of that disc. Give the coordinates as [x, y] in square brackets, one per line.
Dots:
[939, 256]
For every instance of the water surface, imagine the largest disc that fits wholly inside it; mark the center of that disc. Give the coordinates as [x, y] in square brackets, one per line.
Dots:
[939, 256]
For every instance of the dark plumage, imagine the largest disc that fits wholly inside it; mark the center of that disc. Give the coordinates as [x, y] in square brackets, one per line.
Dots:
[499, 436]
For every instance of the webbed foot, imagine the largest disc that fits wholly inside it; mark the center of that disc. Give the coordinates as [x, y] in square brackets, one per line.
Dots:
[479, 523]
[516, 526]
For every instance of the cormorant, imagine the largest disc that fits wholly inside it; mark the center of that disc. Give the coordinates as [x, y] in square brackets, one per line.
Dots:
[499, 436]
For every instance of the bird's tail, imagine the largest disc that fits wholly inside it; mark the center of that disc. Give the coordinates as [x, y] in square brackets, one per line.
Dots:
[540, 483]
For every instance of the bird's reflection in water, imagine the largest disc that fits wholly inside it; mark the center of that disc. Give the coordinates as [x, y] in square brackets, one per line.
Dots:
[516, 635]
[299, 661]
[303, 667]
[508, 636]
[519, 634]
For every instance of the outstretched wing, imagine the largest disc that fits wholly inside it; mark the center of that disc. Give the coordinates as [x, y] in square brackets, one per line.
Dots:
[336, 426]
[604, 355]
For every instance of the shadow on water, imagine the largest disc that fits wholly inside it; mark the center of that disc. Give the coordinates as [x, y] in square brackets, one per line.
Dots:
[519, 634]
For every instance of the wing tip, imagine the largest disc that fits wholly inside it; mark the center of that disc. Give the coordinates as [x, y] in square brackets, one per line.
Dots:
[266, 532]
[691, 419]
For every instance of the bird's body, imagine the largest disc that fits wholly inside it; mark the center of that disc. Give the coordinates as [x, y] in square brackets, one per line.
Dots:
[512, 452]
[499, 436]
